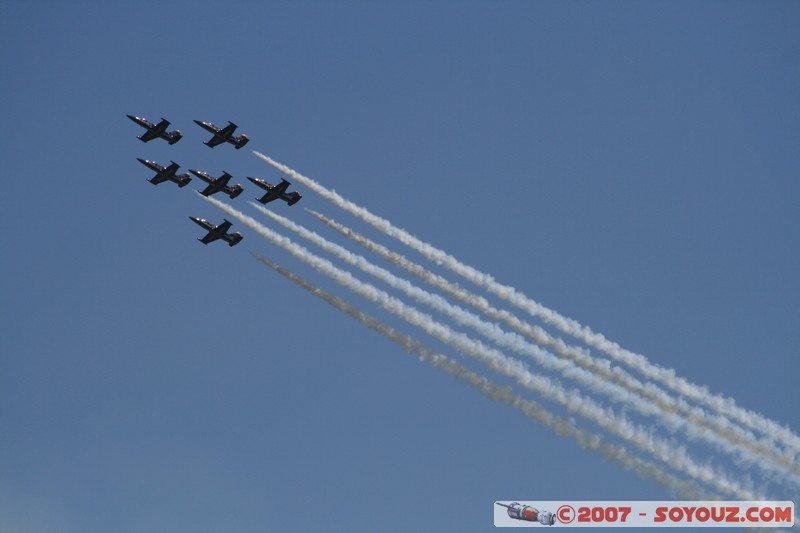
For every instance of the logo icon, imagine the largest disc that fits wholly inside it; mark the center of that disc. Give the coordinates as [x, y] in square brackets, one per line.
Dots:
[529, 514]
[566, 514]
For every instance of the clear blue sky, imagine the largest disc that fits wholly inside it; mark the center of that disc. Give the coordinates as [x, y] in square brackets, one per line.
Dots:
[633, 165]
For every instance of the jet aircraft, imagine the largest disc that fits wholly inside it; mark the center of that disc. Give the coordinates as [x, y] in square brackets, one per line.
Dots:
[219, 184]
[222, 135]
[155, 131]
[166, 173]
[217, 232]
[275, 192]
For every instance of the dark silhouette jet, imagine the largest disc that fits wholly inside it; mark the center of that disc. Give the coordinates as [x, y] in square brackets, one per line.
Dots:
[276, 192]
[166, 173]
[219, 184]
[156, 131]
[217, 232]
[222, 135]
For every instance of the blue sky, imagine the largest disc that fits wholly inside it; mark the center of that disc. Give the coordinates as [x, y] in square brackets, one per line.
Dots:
[632, 165]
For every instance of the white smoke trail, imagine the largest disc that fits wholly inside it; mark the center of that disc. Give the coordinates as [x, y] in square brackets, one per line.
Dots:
[619, 425]
[721, 404]
[514, 342]
[562, 427]
[783, 463]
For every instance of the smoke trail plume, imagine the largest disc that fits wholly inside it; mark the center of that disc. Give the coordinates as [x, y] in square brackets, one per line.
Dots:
[618, 425]
[755, 450]
[531, 409]
[723, 405]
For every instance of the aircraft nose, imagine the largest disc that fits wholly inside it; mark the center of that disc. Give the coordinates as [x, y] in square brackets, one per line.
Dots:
[142, 161]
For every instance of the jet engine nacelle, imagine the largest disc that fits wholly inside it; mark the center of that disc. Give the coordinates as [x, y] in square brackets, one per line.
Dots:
[237, 190]
[241, 141]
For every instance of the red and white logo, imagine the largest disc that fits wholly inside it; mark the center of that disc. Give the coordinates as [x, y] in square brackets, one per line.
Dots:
[752, 514]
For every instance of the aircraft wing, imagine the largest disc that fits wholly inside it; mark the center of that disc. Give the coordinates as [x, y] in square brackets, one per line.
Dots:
[211, 189]
[161, 127]
[280, 188]
[149, 135]
[228, 130]
[269, 197]
[224, 227]
[210, 237]
[158, 178]
[223, 180]
[216, 140]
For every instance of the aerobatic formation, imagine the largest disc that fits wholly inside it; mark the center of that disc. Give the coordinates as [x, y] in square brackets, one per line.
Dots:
[215, 185]
[642, 416]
